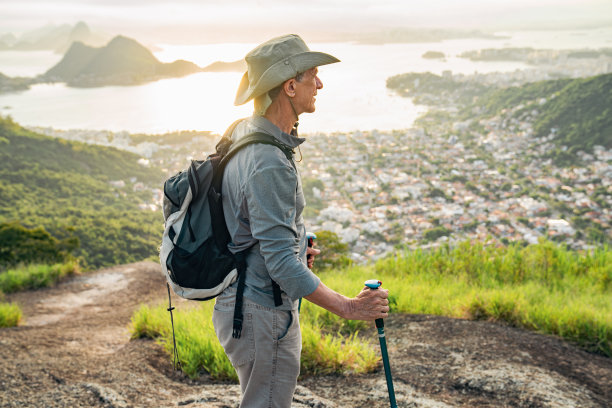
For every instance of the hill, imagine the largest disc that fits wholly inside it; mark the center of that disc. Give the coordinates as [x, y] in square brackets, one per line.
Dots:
[581, 113]
[74, 189]
[55, 38]
[8, 84]
[576, 112]
[222, 66]
[123, 61]
[73, 350]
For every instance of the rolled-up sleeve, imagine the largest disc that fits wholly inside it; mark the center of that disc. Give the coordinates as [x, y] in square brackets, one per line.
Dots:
[270, 193]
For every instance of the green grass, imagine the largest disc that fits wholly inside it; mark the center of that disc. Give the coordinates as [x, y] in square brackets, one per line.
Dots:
[543, 287]
[322, 351]
[27, 277]
[195, 336]
[35, 276]
[10, 314]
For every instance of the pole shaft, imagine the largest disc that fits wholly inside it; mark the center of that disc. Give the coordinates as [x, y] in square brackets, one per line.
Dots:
[385, 356]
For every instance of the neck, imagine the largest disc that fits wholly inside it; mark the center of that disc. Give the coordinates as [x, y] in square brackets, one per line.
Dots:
[282, 114]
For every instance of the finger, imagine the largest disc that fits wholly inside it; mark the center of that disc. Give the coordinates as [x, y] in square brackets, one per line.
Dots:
[313, 251]
[383, 293]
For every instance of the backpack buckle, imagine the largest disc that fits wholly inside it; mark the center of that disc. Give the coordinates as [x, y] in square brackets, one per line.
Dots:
[237, 330]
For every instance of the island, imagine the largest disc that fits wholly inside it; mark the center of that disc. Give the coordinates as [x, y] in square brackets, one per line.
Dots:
[123, 61]
[222, 66]
[433, 55]
[8, 84]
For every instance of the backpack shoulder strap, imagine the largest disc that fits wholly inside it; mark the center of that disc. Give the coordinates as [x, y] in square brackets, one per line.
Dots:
[258, 137]
[225, 142]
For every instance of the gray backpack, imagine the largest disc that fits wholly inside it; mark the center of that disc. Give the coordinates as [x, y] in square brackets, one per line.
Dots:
[194, 254]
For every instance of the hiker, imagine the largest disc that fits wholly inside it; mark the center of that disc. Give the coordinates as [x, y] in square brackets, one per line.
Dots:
[263, 203]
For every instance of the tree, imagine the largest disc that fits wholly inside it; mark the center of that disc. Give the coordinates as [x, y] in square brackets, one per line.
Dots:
[21, 245]
[334, 253]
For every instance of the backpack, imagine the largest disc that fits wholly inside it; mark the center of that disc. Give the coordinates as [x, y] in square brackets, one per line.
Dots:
[193, 253]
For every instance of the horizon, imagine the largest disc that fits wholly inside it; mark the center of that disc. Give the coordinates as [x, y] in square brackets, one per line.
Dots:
[188, 21]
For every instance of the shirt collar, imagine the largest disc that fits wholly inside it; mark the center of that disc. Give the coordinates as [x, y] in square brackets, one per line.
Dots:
[270, 128]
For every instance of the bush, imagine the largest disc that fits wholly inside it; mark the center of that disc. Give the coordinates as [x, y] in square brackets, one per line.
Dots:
[35, 276]
[19, 244]
[10, 315]
[334, 253]
[435, 233]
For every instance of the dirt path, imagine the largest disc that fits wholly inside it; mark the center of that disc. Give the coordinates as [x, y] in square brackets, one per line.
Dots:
[73, 350]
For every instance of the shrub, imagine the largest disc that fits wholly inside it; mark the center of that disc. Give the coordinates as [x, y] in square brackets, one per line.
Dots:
[10, 315]
[35, 276]
[19, 245]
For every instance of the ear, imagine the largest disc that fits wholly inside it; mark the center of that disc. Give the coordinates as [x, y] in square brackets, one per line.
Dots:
[289, 87]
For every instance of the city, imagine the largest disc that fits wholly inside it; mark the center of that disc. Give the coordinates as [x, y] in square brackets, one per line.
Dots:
[486, 180]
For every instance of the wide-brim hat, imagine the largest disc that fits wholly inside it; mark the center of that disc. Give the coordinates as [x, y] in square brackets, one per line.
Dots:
[275, 61]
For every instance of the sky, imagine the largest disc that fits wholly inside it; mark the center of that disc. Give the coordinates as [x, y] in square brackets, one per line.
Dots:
[251, 20]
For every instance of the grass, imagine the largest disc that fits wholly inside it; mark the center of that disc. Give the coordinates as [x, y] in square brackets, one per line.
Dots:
[195, 337]
[10, 315]
[543, 287]
[200, 350]
[27, 277]
[35, 276]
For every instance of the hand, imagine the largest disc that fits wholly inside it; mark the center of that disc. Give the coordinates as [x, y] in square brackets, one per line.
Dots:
[369, 305]
[310, 254]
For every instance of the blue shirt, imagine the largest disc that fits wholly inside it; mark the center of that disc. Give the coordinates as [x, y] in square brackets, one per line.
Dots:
[263, 203]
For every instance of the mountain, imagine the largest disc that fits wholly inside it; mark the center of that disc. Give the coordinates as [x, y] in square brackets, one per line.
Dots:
[57, 38]
[123, 61]
[222, 66]
[75, 189]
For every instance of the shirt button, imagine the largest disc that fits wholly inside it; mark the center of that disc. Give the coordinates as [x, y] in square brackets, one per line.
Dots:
[286, 62]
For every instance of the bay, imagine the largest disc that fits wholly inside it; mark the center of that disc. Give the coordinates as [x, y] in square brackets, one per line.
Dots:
[354, 96]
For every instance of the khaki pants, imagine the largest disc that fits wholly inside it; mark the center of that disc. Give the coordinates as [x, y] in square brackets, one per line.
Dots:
[266, 356]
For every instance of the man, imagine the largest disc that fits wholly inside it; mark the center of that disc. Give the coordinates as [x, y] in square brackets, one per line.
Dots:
[263, 203]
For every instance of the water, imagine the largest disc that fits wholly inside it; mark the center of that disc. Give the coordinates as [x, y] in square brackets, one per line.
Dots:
[354, 94]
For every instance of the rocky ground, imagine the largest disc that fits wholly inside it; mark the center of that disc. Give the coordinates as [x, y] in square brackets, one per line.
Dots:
[73, 350]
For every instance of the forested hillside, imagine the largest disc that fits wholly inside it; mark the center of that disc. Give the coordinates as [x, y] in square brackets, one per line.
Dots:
[577, 111]
[65, 187]
[581, 112]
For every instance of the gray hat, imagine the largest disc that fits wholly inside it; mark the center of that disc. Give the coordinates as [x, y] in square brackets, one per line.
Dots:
[275, 61]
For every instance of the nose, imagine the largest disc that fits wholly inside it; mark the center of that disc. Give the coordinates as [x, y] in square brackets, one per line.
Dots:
[319, 82]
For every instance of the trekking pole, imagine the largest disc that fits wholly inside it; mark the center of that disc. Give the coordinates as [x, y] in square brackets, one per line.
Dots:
[310, 236]
[380, 325]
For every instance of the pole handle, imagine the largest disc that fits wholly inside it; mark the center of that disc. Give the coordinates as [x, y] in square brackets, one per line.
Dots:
[310, 237]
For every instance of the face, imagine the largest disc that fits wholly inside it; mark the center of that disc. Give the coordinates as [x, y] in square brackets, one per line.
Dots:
[306, 90]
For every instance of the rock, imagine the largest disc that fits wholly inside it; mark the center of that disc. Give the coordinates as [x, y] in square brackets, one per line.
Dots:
[304, 398]
[107, 395]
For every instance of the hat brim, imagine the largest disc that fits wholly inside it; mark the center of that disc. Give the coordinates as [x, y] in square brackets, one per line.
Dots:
[279, 73]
